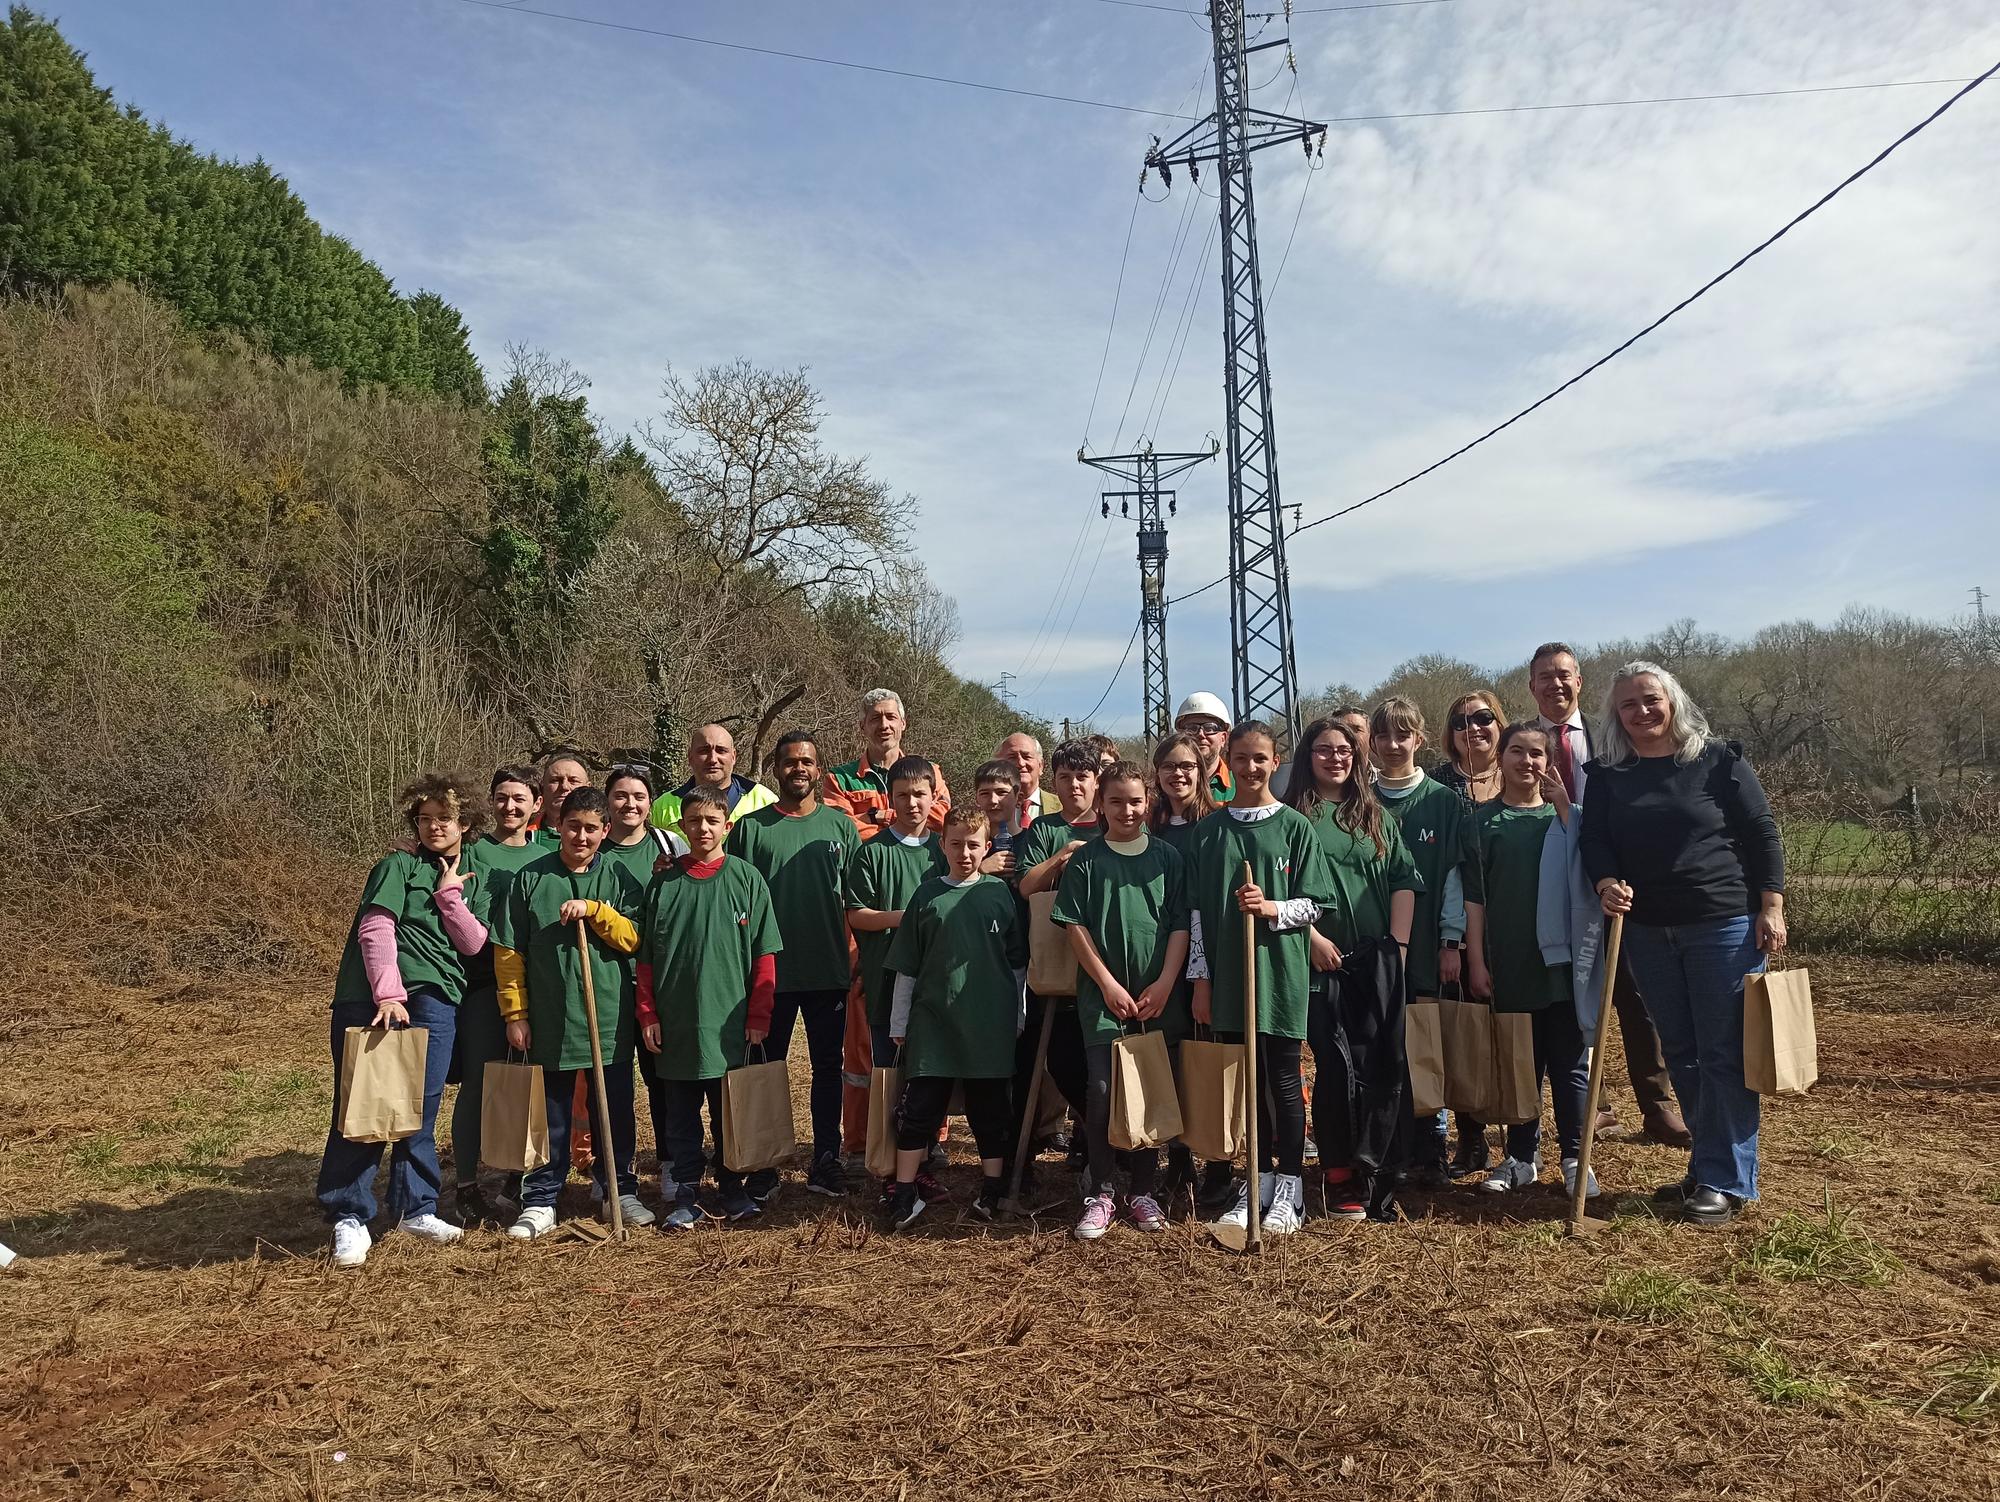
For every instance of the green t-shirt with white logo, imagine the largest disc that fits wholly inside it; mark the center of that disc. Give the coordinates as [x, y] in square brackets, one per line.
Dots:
[702, 936]
[1130, 905]
[961, 946]
[803, 860]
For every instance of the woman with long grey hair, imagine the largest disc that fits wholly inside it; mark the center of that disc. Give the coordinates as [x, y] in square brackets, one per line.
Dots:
[1678, 836]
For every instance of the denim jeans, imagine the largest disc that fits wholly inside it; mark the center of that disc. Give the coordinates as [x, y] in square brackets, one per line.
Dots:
[1691, 975]
[1562, 1059]
[482, 1039]
[825, 1014]
[347, 1169]
[543, 1185]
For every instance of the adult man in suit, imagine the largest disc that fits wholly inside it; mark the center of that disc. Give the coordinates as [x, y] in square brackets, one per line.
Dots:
[1556, 681]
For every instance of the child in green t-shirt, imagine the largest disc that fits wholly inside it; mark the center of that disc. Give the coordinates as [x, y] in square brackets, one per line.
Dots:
[959, 957]
[405, 965]
[1504, 962]
[708, 976]
[1123, 902]
[882, 878]
[538, 966]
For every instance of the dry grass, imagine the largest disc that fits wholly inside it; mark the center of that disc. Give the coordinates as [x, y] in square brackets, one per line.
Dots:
[173, 1329]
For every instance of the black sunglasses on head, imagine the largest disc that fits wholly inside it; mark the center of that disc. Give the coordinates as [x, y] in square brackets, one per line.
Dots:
[1479, 717]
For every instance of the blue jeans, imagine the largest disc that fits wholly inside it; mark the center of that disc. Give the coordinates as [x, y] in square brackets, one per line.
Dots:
[542, 1186]
[1691, 975]
[347, 1169]
[1563, 1059]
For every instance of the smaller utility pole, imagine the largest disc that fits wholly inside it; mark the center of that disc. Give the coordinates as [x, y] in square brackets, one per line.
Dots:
[1006, 689]
[1145, 473]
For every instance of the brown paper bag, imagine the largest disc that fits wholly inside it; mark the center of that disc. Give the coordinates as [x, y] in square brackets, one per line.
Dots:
[1214, 1085]
[1517, 1099]
[513, 1117]
[1051, 962]
[1467, 1027]
[1145, 1102]
[1780, 1046]
[1423, 1045]
[1051, 1110]
[757, 1117]
[885, 1094]
[382, 1083]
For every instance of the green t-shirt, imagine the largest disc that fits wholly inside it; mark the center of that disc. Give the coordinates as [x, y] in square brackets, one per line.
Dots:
[1285, 861]
[884, 875]
[1436, 824]
[638, 858]
[405, 887]
[1130, 905]
[528, 924]
[497, 865]
[1508, 881]
[961, 947]
[1048, 836]
[1363, 881]
[803, 860]
[702, 936]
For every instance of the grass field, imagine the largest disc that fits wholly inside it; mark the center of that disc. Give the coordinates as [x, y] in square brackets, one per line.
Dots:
[173, 1329]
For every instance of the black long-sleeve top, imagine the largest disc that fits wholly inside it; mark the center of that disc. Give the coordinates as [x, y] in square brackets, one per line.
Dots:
[1694, 842]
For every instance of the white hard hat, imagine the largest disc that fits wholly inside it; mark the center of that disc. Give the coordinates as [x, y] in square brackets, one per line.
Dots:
[1206, 706]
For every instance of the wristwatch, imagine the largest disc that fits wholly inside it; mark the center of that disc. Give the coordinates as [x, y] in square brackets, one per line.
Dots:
[1454, 943]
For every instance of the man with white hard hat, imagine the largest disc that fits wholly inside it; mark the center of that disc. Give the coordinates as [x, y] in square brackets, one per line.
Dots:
[1206, 718]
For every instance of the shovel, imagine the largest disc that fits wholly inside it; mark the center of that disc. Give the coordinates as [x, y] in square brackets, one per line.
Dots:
[1581, 1224]
[610, 1155]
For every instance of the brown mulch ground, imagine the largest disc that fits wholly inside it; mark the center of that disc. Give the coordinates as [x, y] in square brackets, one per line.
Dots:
[173, 1328]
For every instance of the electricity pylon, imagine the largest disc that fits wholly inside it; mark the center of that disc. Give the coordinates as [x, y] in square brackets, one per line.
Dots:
[1264, 674]
[1145, 471]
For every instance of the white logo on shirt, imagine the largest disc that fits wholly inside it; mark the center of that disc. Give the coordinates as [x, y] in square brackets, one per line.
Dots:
[996, 926]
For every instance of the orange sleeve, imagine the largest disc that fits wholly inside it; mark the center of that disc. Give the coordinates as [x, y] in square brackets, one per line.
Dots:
[941, 804]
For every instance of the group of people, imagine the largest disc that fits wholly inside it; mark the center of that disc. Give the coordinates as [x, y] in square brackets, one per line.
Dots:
[899, 929]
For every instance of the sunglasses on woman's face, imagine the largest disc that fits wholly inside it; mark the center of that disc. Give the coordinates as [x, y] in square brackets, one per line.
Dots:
[1480, 717]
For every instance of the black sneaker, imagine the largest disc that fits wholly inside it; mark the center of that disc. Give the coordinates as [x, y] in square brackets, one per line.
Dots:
[1710, 1207]
[740, 1204]
[1217, 1191]
[476, 1209]
[1179, 1177]
[1471, 1159]
[827, 1178]
[761, 1185]
[904, 1209]
[991, 1193]
[929, 1189]
[887, 1197]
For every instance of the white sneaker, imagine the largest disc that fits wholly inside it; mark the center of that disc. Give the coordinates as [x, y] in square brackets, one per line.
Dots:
[1511, 1174]
[1286, 1212]
[536, 1220]
[631, 1210]
[432, 1228]
[1569, 1180]
[350, 1242]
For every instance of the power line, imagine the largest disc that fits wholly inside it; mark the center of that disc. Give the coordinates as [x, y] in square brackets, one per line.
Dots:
[1305, 10]
[829, 62]
[1702, 291]
[1119, 672]
[1606, 104]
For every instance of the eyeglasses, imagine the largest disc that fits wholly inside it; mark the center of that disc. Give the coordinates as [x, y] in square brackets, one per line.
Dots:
[1480, 717]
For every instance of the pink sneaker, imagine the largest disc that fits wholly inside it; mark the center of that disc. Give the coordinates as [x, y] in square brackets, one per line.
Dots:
[1146, 1213]
[1097, 1214]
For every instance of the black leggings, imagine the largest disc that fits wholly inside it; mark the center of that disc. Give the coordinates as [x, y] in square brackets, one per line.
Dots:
[1142, 1164]
[1281, 1107]
[926, 1099]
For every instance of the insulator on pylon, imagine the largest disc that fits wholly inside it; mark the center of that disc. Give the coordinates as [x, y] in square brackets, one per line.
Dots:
[1104, 507]
[1124, 508]
[1172, 508]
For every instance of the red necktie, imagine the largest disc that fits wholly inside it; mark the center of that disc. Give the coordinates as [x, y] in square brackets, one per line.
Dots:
[1565, 763]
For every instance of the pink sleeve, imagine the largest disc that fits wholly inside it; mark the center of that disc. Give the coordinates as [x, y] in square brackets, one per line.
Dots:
[467, 933]
[376, 933]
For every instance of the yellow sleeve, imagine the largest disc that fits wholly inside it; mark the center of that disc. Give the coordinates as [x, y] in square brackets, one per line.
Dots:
[510, 978]
[614, 928]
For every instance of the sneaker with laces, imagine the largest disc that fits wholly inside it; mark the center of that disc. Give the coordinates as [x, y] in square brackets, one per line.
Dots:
[826, 1178]
[1569, 1179]
[535, 1220]
[1097, 1213]
[432, 1228]
[350, 1242]
[685, 1215]
[1146, 1213]
[1343, 1195]
[905, 1207]
[929, 1190]
[631, 1210]
[1510, 1175]
[1287, 1209]
[740, 1204]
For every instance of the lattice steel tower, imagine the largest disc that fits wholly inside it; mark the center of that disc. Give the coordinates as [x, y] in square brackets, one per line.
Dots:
[1264, 674]
[1145, 471]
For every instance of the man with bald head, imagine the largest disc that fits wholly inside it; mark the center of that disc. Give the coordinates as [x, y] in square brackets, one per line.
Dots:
[1025, 752]
[711, 759]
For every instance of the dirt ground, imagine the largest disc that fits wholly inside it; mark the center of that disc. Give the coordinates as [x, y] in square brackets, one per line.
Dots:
[173, 1328]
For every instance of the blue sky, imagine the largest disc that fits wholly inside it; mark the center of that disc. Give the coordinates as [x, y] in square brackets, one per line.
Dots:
[1823, 431]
